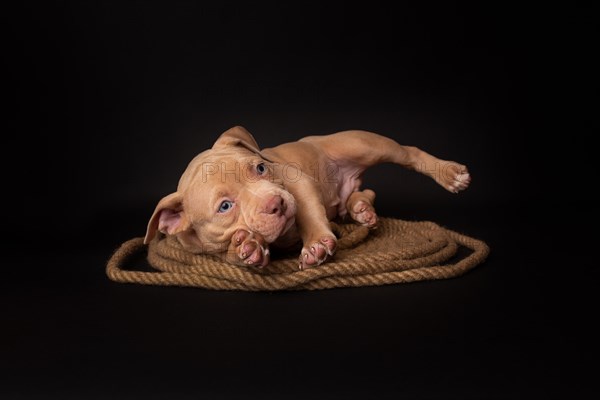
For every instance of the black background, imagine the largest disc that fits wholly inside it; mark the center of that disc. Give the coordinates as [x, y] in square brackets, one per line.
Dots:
[109, 101]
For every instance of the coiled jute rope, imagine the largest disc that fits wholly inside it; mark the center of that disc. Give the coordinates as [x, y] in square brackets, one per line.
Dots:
[396, 252]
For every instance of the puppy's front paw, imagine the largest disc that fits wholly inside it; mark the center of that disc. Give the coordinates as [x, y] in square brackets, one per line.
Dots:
[248, 248]
[316, 251]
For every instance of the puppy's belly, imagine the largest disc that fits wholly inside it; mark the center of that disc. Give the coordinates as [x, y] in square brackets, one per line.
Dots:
[335, 192]
[335, 197]
[349, 182]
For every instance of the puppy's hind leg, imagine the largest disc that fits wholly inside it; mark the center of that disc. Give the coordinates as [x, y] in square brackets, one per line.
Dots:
[366, 149]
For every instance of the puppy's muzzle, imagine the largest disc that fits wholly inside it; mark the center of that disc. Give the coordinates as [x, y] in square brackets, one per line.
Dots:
[273, 215]
[274, 206]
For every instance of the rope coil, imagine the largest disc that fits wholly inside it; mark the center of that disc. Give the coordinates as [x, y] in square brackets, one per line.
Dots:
[396, 252]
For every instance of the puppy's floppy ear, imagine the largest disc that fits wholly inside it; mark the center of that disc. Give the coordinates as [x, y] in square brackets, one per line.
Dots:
[168, 217]
[237, 136]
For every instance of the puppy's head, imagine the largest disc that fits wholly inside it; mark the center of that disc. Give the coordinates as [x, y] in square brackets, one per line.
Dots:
[229, 187]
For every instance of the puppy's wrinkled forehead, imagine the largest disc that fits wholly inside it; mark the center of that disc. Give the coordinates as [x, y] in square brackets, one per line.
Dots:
[227, 171]
[223, 165]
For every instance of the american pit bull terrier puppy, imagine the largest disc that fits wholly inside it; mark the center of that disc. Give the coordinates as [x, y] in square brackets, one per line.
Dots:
[235, 200]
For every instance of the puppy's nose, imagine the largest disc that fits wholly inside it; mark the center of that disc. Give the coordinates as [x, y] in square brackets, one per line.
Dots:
[274, 205]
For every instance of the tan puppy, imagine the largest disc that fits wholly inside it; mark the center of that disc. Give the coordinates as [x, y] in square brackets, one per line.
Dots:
[235, 200]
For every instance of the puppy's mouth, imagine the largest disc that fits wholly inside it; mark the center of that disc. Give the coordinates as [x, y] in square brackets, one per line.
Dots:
[290, 216]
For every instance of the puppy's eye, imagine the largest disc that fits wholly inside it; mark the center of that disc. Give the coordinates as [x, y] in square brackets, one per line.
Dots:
[225, 206]
[261, 168]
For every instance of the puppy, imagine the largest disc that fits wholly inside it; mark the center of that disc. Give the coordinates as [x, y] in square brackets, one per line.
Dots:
[235, 200]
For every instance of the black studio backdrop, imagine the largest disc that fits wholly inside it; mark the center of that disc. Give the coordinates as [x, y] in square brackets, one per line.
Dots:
[109, 101]
[114, 98]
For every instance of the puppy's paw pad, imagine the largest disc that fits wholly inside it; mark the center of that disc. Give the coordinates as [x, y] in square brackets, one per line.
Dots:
[330, 243]
[364, 213]
[250, 249]
[317, 252]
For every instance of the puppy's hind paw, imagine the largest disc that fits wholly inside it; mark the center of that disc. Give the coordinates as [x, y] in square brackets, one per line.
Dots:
[461, 182]
[454, 177]
[364, 213]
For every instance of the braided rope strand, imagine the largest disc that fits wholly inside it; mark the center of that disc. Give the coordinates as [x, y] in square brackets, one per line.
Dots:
[397, 252]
